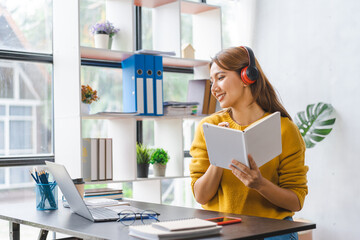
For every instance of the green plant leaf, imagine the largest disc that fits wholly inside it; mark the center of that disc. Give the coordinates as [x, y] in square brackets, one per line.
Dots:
[315, 123]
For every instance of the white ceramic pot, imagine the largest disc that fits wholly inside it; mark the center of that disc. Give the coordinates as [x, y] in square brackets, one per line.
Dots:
[84, 108]
[159, 170]
[101, 40]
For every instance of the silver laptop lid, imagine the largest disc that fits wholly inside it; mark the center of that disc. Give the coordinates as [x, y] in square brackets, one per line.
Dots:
[69, 190]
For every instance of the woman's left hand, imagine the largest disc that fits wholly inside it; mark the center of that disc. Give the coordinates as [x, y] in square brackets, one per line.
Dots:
[251, 177]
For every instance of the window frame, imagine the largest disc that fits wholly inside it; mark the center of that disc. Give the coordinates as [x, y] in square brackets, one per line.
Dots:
[11, 161]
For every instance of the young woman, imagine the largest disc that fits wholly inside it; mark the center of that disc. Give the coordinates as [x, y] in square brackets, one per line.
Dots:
[278, 188]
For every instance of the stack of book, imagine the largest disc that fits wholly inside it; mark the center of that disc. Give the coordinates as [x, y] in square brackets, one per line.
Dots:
[173, 108]
[97, 193]
[97, 159]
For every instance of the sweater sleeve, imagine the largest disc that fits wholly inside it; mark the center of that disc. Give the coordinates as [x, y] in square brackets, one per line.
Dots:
[292, 169]
[200, 159]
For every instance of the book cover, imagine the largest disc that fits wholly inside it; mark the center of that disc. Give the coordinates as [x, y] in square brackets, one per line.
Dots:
[108, 159]
[199, 91]
[261, 139]
[94, 159]
[150, 232]
[133, 70]
[86, 159]
[184, 224]
[102, 157]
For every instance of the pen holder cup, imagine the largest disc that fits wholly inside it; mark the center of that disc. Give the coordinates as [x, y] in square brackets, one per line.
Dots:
[46, 196]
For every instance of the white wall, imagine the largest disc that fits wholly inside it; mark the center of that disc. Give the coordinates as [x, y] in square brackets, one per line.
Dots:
[310, 51]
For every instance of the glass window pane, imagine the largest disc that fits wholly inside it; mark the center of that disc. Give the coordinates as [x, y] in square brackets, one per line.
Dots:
[6, 80]
[146, 28]
[28, 119]
[175, 86]
[2, 138]
[108, 84]
[186, 30]
[20, 175]
[26, 25]
[91, 12]
[23, 129]
[2, 175]
[20, 111]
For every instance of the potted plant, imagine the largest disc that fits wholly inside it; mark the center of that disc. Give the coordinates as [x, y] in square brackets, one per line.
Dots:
[103, 33]
[142, 160]
[88, 95]
[159, 159]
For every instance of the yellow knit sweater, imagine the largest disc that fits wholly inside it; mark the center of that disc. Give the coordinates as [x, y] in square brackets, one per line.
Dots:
[287, 171]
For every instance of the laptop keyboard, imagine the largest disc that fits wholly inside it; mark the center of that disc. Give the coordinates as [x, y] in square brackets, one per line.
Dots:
[103, 213]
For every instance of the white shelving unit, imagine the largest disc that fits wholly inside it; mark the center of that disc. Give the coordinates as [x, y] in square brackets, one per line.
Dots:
[122, 129]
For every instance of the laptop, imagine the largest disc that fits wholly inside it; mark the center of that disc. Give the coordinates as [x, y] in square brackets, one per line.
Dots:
[75, 201]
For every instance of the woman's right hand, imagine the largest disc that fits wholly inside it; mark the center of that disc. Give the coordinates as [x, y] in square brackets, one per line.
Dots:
[223, 124]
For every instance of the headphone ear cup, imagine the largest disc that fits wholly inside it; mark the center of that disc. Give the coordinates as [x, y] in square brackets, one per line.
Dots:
[244, 77]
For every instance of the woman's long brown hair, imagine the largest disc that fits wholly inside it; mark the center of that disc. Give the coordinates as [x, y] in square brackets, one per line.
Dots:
[235, 59]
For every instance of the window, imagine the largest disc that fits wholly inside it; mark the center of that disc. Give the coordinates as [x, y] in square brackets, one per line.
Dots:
[26, 101]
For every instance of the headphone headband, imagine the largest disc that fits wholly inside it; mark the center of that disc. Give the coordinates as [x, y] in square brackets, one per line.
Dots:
[250, 73]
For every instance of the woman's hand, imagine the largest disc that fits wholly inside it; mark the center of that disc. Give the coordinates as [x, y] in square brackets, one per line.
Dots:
[251, 177]
[223, 124]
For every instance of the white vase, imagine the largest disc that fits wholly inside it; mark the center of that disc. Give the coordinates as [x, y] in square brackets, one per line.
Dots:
[159, 170]
[84, 108]
[101, 40]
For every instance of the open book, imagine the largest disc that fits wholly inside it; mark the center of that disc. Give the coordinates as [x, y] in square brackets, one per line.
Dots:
[177, 229]
[262, 140]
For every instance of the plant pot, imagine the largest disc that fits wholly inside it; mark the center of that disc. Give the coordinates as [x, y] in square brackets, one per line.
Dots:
[110, 42]
[159, 170]
[142, 170]
[101, 40]
[84, 108]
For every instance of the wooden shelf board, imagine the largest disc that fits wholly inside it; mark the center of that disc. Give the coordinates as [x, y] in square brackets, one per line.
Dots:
[183, 62]
[150, 178]
[152, 3]
[114, 116]
[118, 56]
[195, 7]
[104, 54]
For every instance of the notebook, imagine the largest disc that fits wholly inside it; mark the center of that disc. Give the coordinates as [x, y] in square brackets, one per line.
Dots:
[178, 229]
[261, 139]
[184, 224]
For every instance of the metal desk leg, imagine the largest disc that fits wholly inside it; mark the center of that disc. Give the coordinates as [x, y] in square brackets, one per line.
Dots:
[14, 231]
[43, 234]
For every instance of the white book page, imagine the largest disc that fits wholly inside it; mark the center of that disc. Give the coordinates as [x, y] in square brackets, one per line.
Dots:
[263, 139]
[224, 144]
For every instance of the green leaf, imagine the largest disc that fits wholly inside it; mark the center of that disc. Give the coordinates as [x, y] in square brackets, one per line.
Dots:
[316, 123]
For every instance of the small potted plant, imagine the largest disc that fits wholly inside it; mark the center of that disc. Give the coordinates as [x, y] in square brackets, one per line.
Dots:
[159, 159]
[142, 160]
[103, 33]
[88, 95]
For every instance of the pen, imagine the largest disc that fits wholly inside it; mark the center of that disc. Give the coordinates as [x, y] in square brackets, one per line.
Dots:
[32, 175]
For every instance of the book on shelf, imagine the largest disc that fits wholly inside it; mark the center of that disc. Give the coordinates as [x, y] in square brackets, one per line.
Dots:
[177, 229]
[97, 160]
[108, 159]
[261, 139]
[102, 156]
[200, 91]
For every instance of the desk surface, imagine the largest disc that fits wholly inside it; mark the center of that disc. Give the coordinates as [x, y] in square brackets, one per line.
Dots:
[64, 221]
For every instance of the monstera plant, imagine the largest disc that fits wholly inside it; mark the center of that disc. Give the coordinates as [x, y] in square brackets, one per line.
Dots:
[315, 123]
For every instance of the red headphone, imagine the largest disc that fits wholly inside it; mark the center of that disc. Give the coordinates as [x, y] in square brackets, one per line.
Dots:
[250, 73]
